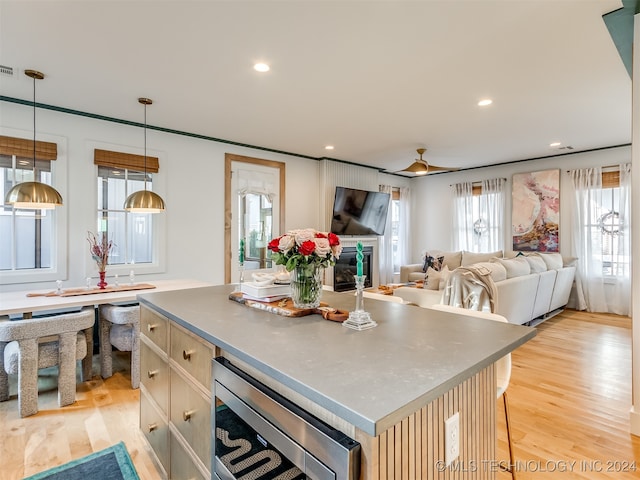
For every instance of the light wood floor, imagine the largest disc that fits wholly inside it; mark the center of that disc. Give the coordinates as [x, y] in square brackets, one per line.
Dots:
[569, 398]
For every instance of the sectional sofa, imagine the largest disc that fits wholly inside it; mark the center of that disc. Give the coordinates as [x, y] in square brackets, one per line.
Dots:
[531, 287]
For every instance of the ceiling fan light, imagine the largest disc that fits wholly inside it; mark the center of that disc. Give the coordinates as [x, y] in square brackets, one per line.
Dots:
[144, 201]
[34, 196]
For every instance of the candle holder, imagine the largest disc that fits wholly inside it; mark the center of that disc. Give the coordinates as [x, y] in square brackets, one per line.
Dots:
[359, 319]
[240, 278]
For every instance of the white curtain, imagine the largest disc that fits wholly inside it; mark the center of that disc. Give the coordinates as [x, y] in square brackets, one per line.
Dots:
[492, 213]
[463, 216]
[385, 243]
[586, 239]
[404, 232]
[621, 299]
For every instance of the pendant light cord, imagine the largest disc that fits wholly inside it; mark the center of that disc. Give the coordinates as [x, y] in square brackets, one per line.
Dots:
[34, 128]
[145, 147]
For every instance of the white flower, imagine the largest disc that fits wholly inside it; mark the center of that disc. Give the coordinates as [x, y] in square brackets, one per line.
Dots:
[304, 235]
[286, 243]
[322, 246]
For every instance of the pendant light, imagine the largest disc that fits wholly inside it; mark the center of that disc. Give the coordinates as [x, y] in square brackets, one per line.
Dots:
[33, 195]
[144, 201]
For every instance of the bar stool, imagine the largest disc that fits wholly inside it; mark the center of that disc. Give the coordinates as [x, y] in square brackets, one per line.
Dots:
[120, 327]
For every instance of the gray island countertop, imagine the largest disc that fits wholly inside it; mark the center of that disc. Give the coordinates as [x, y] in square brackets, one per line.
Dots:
[372, 378]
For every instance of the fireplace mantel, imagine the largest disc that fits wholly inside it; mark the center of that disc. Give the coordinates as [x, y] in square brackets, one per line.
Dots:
[352, 241]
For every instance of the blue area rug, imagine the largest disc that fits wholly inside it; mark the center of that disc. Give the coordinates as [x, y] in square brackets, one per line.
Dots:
[113, 463]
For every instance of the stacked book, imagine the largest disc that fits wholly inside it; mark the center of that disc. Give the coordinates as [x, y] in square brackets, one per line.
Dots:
[265, 293]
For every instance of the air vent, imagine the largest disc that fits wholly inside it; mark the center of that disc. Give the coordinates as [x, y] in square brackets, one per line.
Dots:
[568, 147]
[8, 71]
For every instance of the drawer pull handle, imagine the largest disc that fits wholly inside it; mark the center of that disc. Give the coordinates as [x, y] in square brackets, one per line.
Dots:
[152, 373]
[186, 354]
[151, 327]
[152, 426]
[186, 415]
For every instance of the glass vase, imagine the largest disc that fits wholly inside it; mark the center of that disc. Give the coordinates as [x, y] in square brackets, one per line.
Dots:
[306, 286]
[102, 283]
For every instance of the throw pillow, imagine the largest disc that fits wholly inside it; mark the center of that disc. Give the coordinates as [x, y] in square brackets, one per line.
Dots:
[553, 260]
[432, 262]
[498, 272]
[431, 279]
[452, 259]
[445, 273]
[515, 267]
[536, 263]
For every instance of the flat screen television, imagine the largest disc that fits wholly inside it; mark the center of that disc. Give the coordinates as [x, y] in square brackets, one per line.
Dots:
[359, 212]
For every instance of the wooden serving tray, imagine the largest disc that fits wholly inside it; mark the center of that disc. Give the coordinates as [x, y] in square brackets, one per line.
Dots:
[285, 308]
[70, 292]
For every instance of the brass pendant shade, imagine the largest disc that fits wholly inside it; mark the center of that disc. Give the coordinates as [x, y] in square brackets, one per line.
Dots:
[33, 195]
[144, 201]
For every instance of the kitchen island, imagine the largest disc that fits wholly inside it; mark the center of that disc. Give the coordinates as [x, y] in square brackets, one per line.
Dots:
[390, 388]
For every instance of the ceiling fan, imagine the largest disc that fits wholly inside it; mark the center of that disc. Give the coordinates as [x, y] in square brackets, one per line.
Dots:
[422, 167]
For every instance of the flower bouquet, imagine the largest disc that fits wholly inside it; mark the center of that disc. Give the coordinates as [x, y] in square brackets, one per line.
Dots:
[306, 253]
[100, 247]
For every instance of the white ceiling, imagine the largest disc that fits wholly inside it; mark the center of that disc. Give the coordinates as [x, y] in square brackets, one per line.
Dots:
[377, 79]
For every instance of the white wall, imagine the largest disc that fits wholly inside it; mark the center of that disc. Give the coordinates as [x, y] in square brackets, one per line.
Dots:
[191, 181]
[432, 197]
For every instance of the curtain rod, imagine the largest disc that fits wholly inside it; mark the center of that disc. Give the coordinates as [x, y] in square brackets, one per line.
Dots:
[476, 184]
[605, 167]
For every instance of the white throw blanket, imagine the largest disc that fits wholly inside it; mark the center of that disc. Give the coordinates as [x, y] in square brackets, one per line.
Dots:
[472, 288]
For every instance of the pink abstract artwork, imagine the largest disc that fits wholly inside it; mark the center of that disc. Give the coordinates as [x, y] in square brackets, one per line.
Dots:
[535, 212]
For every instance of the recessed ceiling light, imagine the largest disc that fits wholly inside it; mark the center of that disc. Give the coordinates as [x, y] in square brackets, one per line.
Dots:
[261, 67]
[555, 144]
[329, 147]
[485, 102]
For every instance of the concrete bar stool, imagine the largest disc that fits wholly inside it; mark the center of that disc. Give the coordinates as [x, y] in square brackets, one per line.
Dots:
[120, 327]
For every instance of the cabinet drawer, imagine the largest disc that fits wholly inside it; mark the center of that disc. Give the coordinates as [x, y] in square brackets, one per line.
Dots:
[191, 415]
[154, 375]
[193, 355]
[154, 326]
[155, 429]
[182, 465]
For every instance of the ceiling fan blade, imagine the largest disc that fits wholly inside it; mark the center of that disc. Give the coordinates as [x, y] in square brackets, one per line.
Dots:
[435, 168]
[419, 168]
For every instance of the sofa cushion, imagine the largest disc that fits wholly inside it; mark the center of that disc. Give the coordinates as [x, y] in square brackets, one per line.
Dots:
[498, 272]
[451, 259]
[536, 263]
[553, 260]
[469, 258]
[515, 267]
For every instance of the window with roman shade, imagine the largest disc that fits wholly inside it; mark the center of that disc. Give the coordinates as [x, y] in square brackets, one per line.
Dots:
[26, 236]
[119, 175]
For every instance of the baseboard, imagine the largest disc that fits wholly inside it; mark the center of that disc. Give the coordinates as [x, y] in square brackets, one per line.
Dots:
[634, 417]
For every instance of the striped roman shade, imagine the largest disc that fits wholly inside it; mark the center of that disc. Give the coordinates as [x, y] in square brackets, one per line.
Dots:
[107, 158]
[21, 147]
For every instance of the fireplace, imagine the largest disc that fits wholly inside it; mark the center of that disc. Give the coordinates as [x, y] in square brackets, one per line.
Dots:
[345, 269]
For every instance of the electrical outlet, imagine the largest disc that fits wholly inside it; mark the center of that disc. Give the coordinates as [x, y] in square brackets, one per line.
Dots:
[451, 438]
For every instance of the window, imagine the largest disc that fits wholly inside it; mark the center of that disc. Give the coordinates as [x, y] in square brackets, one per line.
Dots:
[26, 236]
[395, 228]
[131, 233]
[134, 235]
[606, 227]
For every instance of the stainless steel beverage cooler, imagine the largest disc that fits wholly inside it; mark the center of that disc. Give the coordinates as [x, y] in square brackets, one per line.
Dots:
[257, 433]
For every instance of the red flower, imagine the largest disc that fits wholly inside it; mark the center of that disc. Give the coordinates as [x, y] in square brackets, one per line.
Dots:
[274, 245]
[307, 248]
[334, 239]
[320, 235]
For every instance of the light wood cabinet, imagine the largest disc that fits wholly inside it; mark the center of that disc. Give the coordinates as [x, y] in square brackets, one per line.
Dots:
[175, 396]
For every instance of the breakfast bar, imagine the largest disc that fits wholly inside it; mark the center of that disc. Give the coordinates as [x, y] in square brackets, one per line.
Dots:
[389, 388]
